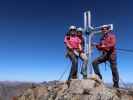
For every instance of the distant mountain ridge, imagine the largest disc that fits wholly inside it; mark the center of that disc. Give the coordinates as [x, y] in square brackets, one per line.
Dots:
[9, 89]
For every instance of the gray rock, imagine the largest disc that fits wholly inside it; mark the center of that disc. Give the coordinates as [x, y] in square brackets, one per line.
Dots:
[88, 89]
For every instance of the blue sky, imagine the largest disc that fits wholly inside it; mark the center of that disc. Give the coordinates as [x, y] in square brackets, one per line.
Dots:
[32, 33]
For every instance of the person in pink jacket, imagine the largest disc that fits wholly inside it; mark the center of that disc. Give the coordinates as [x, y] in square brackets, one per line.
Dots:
[75, 50]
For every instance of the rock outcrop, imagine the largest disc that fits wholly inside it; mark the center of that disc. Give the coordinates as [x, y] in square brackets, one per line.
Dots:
[88, 89]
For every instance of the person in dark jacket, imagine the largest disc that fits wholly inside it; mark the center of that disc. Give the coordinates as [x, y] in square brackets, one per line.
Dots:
[107, 46]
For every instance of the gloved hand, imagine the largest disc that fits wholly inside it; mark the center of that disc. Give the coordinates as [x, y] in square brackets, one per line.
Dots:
[98, 47]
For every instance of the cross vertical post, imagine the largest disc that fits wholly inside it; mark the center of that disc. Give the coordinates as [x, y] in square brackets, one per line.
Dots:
[88, 28]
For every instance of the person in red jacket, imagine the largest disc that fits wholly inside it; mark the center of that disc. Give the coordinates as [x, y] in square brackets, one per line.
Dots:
[107, 46]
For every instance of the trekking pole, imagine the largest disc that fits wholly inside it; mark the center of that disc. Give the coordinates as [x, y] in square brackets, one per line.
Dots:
[123, 83]
[125, 50]
[66, 69]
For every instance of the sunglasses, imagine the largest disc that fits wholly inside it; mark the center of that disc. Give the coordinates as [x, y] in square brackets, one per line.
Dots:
[104, 28]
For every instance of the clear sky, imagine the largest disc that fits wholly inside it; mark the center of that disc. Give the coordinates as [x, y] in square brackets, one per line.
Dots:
[32, 33]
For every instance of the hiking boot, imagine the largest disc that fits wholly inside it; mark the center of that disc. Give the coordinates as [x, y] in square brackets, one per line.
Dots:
[74, 77]
[116, 85]
[68, 83]
[84, 76]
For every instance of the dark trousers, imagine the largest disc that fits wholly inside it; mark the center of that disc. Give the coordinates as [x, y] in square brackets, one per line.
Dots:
[74, 67]
[113, 65]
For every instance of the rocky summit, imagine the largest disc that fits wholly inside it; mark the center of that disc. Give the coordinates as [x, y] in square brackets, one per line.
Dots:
[86, 89]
